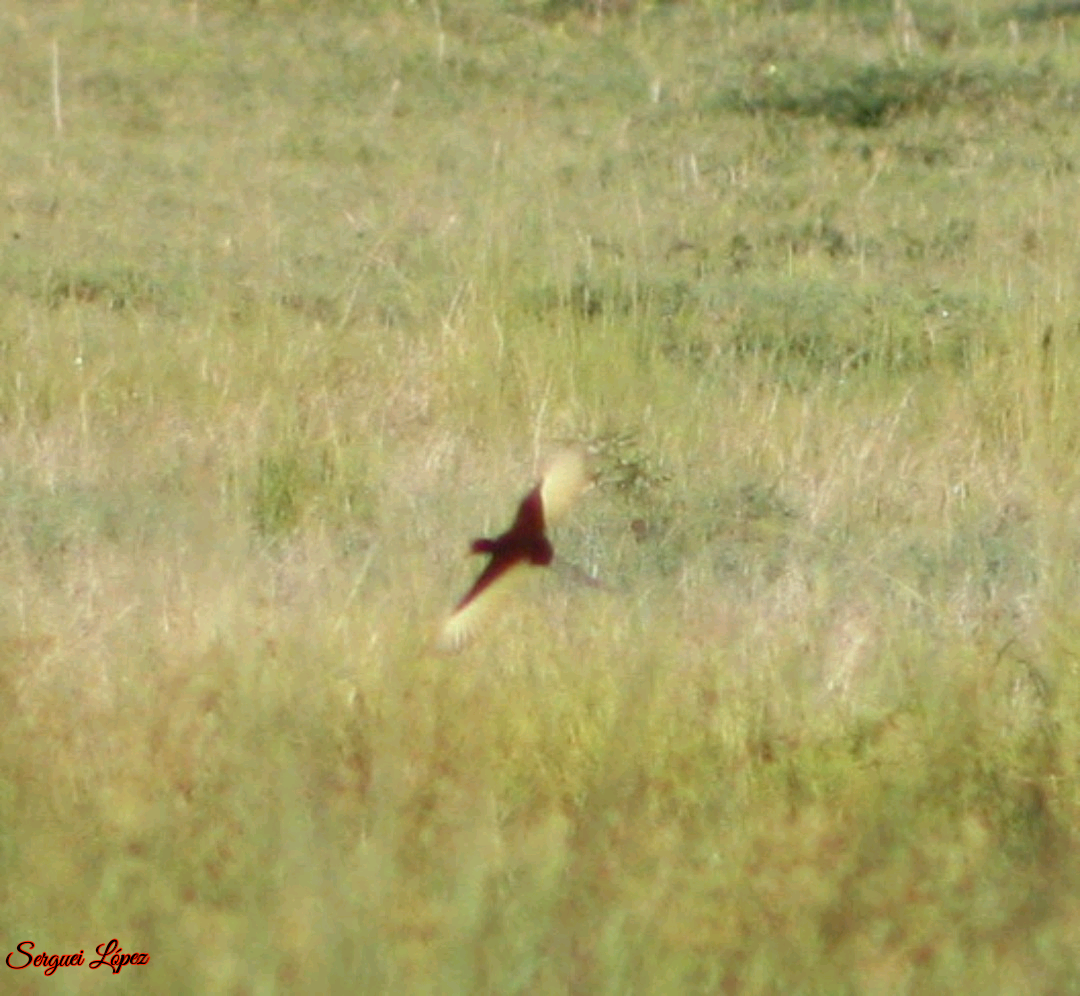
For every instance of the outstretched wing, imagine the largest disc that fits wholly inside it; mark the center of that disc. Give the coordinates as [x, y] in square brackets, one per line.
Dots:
[489, 589]
[564, 480]
[529, 521]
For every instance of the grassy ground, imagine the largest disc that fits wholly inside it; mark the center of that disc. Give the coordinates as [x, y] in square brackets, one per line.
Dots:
[293, 297]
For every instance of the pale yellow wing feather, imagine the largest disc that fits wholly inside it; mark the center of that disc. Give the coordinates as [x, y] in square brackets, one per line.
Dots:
[463, 624]
[564, 480]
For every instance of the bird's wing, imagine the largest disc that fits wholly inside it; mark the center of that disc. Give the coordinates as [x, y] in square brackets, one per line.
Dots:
[564, 480]
[489, 589]
[530, 515]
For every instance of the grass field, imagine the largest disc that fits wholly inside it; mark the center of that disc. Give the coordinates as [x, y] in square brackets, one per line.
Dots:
[294, 299]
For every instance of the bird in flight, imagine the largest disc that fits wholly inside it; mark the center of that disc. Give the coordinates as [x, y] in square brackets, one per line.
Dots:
[525, 542]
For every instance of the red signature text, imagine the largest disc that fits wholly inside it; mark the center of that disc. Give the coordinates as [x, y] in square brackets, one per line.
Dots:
[110, 955]
[114, 957]
[44, 960]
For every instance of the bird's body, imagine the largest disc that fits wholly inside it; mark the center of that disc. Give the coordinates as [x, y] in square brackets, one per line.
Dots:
[525, 542]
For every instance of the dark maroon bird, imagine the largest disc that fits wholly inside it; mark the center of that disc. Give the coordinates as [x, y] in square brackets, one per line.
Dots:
[525, 542]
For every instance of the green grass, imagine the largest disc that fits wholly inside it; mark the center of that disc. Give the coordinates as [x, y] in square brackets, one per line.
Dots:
[292, 299]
